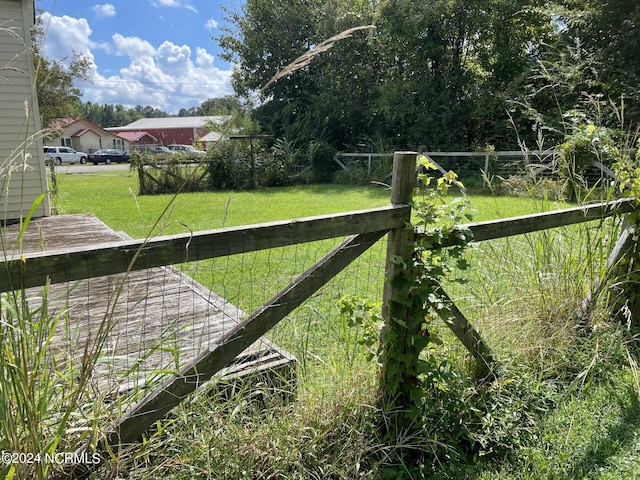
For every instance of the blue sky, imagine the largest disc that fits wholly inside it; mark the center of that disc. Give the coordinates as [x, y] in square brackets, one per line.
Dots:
[142, 52]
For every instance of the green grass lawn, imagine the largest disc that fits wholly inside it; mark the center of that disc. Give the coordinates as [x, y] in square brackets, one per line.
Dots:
[114, 200]
[565, 406]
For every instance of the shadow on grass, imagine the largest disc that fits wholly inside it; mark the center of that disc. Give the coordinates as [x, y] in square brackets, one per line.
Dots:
[617, 437]
[368, 191]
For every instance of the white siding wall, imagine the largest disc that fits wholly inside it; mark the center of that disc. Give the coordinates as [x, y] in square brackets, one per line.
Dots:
[89, 143]
[22, 171]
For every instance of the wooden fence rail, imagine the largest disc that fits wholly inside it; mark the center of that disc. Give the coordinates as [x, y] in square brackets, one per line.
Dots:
[33, 269]
[507, 227]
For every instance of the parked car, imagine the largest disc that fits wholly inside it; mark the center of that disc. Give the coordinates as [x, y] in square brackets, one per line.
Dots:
[188, 149]
[109, 155]
[161, 149]
[64, 155]
[154, 149]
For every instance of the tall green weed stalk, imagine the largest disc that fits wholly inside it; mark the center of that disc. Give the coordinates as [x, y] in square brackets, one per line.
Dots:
[43, 380]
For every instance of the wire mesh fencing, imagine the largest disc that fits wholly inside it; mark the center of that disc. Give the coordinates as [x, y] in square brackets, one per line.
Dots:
[524, 293]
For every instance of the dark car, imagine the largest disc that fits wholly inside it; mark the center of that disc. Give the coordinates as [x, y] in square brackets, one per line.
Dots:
[109, 155]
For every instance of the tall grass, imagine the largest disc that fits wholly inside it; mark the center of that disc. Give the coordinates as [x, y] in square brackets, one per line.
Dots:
[45, 381]
[527, 290]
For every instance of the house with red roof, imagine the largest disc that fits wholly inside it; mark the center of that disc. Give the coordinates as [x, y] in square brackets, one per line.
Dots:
[138, 138]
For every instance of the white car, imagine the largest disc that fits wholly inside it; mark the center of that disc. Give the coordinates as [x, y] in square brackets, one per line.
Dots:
[64, 155]
[188, 149]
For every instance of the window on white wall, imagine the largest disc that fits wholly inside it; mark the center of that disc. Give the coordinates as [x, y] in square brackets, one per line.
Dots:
[66, 142]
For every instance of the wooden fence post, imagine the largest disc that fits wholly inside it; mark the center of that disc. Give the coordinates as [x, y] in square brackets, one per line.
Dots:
[398, 247]
[398, 240]
[399, 333]
[142, 189]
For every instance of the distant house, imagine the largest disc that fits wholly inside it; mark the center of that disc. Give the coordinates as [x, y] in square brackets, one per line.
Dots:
[138, 138]
[85, 136]
[171, 130]
[210, 140]
[23, 176]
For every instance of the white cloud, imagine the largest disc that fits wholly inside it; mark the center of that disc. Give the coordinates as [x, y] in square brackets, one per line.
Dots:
[172, 3]
[211, 24]
[132, 47]
[65, 36]
[104, 10]
[173, 58]
[203, 58]
[168, 76]
[164, 3]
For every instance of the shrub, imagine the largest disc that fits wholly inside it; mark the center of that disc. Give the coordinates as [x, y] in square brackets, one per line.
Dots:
[167, 174]
[545, 188]
[229, 168]
[321, 154]
[274, 172]
[585, 144]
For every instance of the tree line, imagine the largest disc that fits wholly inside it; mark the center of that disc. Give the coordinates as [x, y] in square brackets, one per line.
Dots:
[441, 75]
[110, 115]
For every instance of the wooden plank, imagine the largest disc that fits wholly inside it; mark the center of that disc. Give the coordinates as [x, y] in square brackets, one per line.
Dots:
[468, 336]
[543, 221]
[153, 407]
[32, 269]
[159, 319]
[506, 227]
[623, 245]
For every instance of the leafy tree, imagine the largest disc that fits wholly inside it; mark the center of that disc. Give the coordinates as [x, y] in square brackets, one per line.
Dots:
[589, 66]
[608, 31]
[319, 100]
[444, 74]
[509, 42]
[57, 95]
[150, 112]
[422, 99]
[452, 67]
[227, 105]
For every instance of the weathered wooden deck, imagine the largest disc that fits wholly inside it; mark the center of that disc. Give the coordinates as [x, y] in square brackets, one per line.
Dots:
[159, 319]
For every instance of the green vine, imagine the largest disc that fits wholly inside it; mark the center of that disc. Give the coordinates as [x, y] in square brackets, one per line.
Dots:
[627, 298]
[365, 316]
[409, 367]
[585, 143]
